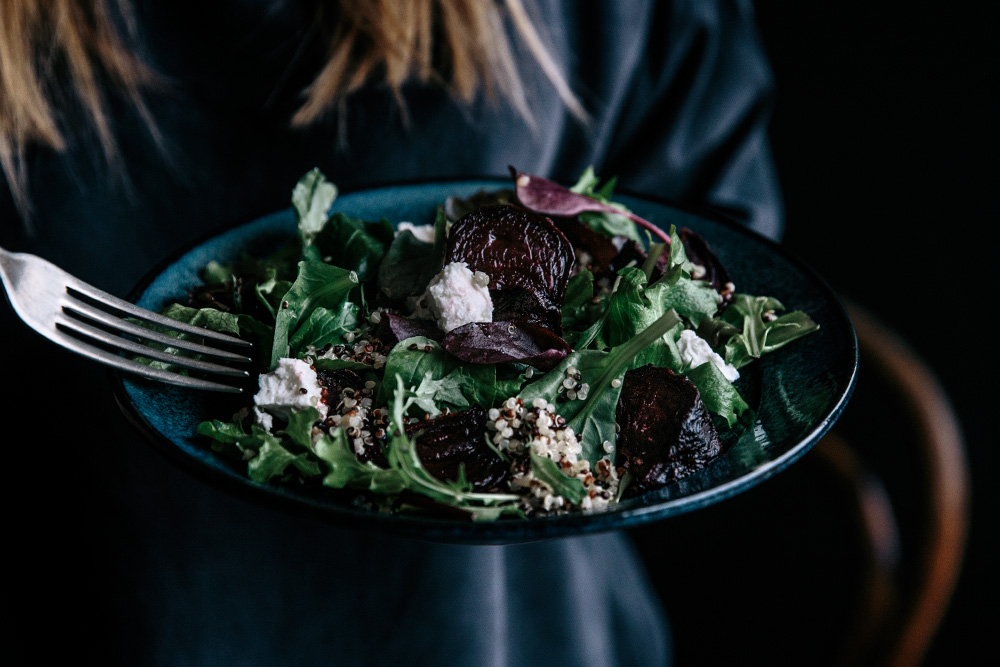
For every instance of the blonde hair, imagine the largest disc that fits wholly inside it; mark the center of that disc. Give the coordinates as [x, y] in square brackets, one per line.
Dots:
[58, 52]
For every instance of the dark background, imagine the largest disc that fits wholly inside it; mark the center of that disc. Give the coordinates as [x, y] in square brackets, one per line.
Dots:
[884, 135]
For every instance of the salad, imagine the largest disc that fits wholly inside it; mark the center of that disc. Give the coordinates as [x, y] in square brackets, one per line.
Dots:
[533, 350]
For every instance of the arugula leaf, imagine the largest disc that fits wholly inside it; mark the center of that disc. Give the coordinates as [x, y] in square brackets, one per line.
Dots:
[548, 471]
[629, 312]
[299, 427]
[270, 291]
[346, 471]
[610, 224]
[577, 300]
[678, 264]
[208, 318]
[695, 300]
[270, 458]
[441, 380]
[402, 456]
[652, 257]
[326, 364]
[605, 222]
[273, 459]
[434, 391]
[717, 393]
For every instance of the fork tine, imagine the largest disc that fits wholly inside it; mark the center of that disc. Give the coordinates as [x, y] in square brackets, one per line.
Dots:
[86, 310]
[134, 367]
[141, 313]
[83, 329]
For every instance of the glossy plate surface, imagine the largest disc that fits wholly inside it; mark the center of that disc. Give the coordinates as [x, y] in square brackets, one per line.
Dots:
[798, 391]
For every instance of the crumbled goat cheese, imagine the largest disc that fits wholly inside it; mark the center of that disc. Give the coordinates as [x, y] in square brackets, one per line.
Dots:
[456, 296]
[263, 419]
[423, 233]
[695, 351]
[293, 385]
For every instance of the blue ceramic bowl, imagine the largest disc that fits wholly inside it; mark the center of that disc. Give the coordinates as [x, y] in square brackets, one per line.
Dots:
[798, 392]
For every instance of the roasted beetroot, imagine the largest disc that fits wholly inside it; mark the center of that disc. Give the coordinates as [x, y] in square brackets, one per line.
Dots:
[458, 439]
[666, 431]
[517, 248]
[594, 250]
[697, 250]
[515, 304]
[498, 342]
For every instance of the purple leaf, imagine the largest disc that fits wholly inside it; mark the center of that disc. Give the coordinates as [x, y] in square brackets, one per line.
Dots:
[499, 342]
[548, 197]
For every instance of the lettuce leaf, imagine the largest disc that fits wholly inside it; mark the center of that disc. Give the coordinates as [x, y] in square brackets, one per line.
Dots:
[317, 285]
[312, 197]
[755, 336]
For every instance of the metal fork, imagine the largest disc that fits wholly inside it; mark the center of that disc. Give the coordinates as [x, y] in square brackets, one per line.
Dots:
[65, 310]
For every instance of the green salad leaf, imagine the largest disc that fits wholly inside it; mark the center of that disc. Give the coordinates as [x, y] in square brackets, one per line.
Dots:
[312, 197]
[756, 334]
[317, 285]
[320, 290]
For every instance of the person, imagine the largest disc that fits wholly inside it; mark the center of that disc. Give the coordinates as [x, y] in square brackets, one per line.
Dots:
[130, 130]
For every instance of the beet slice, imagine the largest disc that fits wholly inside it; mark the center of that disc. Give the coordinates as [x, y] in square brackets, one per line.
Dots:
[455, 439]
[666, 431]
[499, 342]
[698, 251]
[600, 248]
[516, 248]
[514, 304]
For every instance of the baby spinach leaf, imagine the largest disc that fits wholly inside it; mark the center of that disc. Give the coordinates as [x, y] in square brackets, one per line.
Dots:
[409, 264]
[317, 285]
[352, 244]
[325, 326]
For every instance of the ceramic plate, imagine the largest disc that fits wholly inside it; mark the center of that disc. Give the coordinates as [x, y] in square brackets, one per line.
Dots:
[797, 392]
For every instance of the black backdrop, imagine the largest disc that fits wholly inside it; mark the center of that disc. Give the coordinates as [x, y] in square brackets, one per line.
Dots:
[885, 140]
